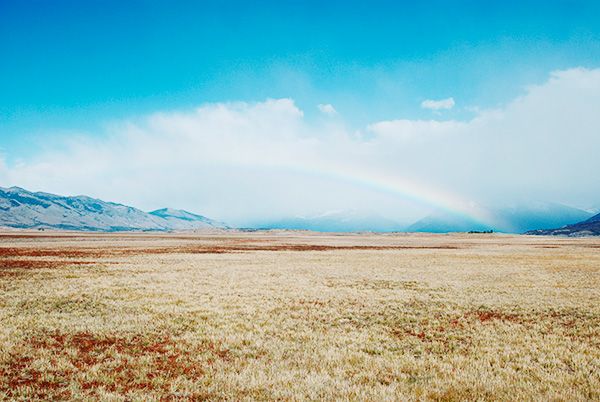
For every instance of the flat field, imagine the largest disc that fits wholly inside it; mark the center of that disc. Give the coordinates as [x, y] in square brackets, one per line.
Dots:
[298, 316]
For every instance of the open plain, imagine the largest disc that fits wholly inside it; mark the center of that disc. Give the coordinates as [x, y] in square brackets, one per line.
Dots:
[298, 316]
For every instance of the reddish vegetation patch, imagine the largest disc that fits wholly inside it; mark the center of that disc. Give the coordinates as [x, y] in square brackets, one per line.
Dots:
[192, 249]
[203, 249]
[32, 236]
[48, 252]
[312, 303]
[112, 357]
[18, 374]
[421, 335]
[431, 335]
[492, 315]
[558, 321]
[434, 338]
[10, 268]
[564, 319]
[315, 247]
[38, 264]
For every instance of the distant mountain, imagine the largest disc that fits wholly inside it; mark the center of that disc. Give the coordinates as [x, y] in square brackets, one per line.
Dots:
[442, 222]
[180, 219]
[338, 221]
[20, 208]
[520, 219]
[589, 227]
[514, 219]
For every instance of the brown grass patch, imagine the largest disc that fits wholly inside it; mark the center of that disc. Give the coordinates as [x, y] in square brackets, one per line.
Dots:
[493, 315]
[112, 363]
[38, 264]
[16, 267]
[459, 329]
[565, 319]
[47, 252]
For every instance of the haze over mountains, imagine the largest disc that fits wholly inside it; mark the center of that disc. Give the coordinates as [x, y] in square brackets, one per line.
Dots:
[514, 219]
[23, 209]
[20, 208]
[339, 221]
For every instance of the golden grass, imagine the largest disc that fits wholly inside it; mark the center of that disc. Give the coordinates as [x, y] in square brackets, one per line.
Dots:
[298, 316]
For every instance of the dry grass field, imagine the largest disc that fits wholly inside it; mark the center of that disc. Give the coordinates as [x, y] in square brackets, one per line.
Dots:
[294, 316]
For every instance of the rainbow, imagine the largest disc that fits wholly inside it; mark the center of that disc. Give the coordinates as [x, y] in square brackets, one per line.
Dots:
[419, 193]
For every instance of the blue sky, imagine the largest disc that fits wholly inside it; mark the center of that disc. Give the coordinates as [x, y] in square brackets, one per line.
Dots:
[71, 65]
[80, 71]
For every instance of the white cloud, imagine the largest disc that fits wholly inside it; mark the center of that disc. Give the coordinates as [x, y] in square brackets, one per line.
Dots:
[246, 162]
[327, 109]
[3, 169]
[442, 104]
[415, 129]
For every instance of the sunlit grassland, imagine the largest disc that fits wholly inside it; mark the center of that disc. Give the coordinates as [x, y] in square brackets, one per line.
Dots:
[299, 316]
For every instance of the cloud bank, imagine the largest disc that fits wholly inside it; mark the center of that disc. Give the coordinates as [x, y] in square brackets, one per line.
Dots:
[247, 163]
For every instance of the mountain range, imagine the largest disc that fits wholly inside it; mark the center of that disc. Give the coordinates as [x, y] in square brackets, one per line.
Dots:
[518, 218]
[23, 209]
[338, 221]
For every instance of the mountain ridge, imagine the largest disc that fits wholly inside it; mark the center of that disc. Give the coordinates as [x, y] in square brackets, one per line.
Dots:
[174, 215]
[588, 227]
[23, 209]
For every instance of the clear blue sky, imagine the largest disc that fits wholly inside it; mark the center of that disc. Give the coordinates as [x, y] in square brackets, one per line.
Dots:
[74, 65]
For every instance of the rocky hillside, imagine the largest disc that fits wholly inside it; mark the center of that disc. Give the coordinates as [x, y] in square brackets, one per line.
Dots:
[180, 219]
[20, 208]
[589, 227]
